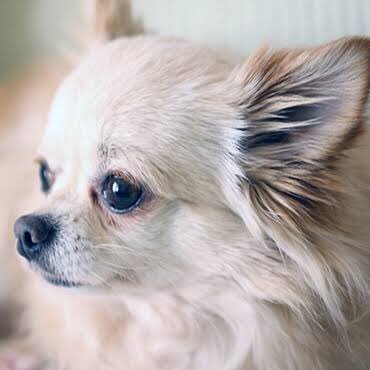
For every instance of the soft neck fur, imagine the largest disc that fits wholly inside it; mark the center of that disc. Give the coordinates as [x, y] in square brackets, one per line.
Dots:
[321, 323]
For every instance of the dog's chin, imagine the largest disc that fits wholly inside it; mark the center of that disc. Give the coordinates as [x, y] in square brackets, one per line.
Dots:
[113, 285]
[54, 279]
[57, 281]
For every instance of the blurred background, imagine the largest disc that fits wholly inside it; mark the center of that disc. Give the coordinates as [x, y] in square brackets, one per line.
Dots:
[31, 29]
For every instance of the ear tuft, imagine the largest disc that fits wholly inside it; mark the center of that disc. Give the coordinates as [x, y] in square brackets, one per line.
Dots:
[110, 19]
[302, 96]
[301, 109]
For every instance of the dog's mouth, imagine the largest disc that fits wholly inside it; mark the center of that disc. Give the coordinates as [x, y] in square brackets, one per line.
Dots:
[53, 279]
[61, 282]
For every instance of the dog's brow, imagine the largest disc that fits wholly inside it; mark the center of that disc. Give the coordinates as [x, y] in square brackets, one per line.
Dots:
[103, 152]
[106, 152]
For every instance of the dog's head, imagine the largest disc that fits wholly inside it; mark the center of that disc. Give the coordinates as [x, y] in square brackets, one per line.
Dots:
[164, 166]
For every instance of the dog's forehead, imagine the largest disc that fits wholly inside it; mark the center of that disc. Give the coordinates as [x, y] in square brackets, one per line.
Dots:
[135, 98]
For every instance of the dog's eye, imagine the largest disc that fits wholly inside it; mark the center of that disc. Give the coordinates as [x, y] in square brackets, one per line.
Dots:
[119, 195]
[46, 177]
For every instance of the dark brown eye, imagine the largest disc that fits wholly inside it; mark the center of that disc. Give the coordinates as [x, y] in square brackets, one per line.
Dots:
[46, 177]
[119, 195]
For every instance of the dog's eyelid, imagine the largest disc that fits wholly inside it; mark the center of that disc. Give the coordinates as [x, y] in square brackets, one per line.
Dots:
[98, 182]
[43, 161]
[123, 175]
[40, 160]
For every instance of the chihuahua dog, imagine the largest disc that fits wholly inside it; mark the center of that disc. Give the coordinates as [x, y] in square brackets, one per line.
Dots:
[204, 216]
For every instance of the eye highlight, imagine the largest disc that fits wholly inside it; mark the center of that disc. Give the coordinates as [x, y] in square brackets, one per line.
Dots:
[120, 195]
[46, 176]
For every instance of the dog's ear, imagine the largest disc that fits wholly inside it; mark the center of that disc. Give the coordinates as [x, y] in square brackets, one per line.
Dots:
[300, 109]
[109, 19]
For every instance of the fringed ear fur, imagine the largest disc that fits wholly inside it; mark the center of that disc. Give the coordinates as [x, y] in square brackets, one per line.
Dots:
[301, 109]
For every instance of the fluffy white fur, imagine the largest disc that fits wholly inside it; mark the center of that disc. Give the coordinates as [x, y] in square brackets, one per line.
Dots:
[251, 251]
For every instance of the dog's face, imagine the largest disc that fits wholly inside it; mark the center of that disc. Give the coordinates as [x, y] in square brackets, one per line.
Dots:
[130, 163]
[163, 167]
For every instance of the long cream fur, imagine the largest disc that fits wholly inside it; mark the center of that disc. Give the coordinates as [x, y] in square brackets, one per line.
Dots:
[251, 251]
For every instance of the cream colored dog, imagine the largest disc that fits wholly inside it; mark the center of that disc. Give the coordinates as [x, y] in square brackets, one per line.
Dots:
[204, 216]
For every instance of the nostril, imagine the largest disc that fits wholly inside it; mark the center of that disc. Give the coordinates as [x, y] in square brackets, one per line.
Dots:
[27, 239]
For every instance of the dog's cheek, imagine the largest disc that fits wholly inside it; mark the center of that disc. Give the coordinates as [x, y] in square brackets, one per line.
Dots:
[183, 245]
[141, 248]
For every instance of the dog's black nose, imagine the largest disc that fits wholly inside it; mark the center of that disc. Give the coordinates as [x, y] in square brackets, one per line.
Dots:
[33, 232]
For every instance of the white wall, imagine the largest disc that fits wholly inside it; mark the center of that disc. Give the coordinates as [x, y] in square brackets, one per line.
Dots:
[243, 24]
[32, 27]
